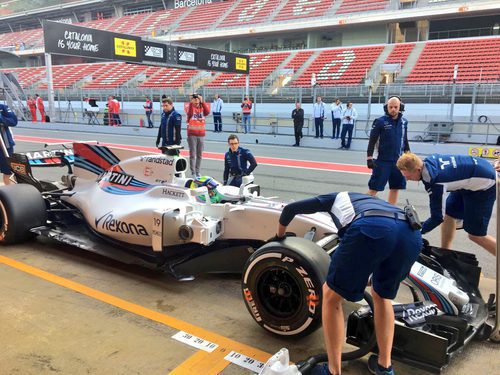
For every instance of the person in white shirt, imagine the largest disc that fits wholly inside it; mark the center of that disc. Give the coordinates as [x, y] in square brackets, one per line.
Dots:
[337, 110]
[216, 112]
[319, 116]
[348, 119]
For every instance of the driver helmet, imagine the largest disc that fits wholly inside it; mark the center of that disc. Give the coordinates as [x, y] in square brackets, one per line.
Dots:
[211, 184]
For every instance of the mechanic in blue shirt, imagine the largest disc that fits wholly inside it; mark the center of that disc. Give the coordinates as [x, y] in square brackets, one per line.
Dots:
[376, 239]
[238, 162]
[390, 134]
[471, 183]
[170, 127]
[7, 118]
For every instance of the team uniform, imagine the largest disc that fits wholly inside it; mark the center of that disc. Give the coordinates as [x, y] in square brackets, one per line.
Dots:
[471, 183]
[375, 237]
[148, 107]
[348, 118]
[391, 135]
[216, 112]
[170, 128]
[32, 107]
[238, 164]
[7, 119]
[336, 119]
[41, 108]
[319, 116]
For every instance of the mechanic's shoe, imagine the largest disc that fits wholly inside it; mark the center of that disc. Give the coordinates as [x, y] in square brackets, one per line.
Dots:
[321, 369]
[374, 367]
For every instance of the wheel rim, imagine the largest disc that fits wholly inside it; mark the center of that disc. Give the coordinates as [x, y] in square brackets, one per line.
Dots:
[279, 292]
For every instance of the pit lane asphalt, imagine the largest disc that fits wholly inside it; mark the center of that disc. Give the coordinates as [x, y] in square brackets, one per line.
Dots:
[49, 328]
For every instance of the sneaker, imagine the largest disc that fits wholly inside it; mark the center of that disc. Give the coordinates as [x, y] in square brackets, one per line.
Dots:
[341, 148]
[374, 367]
[321, 369]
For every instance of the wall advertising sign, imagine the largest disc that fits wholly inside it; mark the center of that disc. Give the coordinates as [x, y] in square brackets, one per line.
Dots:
[211, 59]
[66, 39]
[187, 56]
[127, 47]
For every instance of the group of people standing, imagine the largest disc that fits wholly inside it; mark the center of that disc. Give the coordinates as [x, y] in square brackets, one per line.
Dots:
[340, 116]
[35, 103]
[238, 161]
[376, 236]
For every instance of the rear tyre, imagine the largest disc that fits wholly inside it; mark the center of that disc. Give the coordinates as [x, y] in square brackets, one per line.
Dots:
[282, 286]
[21, 209]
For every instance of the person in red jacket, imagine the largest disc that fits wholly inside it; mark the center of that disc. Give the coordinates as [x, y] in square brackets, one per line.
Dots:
[246, 108]
[32, 107]
[196, 110]
[40, 106]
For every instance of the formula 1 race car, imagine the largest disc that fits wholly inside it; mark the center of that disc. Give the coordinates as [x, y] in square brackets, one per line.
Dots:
[140, 208]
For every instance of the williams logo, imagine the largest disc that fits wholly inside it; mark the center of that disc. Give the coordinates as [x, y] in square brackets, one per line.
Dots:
[109, 223]
[117, 178]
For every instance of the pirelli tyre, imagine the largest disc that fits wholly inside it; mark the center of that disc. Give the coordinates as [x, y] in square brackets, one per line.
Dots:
[21, 208]
[282, 286]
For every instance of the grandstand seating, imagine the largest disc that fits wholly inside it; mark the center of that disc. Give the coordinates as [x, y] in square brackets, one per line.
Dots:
[166, 77]
[128, 23]
[157, 22]
[65, 76]
[356, 6]
[400, 53]
[298, 60]
[295, 9]
[477, 60]
[203, 17]
[27, 76]
[115, 75]
[29, 37]
[250, 13]
[261, 66]
[340, 66]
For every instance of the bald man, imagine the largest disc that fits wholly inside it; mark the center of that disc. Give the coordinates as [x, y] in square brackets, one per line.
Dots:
[389, 135]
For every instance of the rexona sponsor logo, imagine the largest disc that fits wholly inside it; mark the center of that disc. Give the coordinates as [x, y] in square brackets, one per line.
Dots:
[117, 178]
[190, 3]
[109, 223]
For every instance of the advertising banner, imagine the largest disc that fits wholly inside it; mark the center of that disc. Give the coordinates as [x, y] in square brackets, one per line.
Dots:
[221, 61]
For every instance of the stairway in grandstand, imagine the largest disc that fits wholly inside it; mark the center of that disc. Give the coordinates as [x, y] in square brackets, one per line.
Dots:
[13, 94]
[411, 60]
[374, 72]
[223, 16]
[299, 69]
[335, 6]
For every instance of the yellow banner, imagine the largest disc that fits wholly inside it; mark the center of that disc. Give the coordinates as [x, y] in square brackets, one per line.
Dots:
[125, 47]
[485, 152]
[241, 64]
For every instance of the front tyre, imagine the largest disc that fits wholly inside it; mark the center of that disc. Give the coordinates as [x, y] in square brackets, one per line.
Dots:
[22, 208]
[282, 286]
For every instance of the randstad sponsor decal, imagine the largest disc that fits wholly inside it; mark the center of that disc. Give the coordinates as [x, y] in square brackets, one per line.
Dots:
[190, 3]
[125, 47]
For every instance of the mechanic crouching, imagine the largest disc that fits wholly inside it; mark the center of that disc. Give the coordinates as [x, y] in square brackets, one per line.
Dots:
[238, 162]
[376, 239]
[169, 132]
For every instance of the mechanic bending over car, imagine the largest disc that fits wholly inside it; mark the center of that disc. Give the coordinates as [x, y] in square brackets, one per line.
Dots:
[7, 118]
[471, 182]
[376, 238]
[238, 162]
[169, 131]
